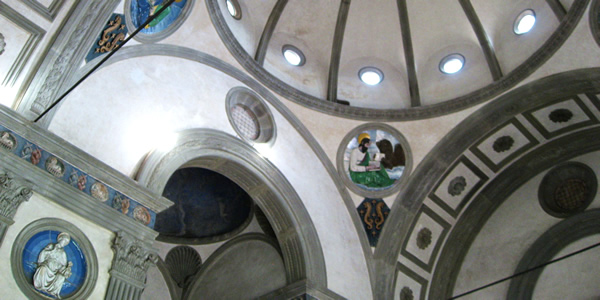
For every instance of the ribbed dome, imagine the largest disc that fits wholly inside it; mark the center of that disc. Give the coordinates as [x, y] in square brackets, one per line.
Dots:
[405, 39]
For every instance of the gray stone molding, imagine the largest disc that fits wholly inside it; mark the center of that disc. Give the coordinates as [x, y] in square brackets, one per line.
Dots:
[353, 186]
[552, 44]
[270, 190]
[493, 195]
[132, 259]
[431, 170]
[66, 53]
[547, 246]
[215, 257]
[86, 247]
[47, 12]
[302, 290]
[13, 192]
[2, 44]
[593, 19]
[400, 268]
[153, 38]
[36, 34]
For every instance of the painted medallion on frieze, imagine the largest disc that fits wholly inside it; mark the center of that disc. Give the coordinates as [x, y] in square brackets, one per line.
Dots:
[54, 264]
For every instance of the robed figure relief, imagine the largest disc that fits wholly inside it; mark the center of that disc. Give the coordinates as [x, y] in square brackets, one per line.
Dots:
[52, 267]
[375, 166]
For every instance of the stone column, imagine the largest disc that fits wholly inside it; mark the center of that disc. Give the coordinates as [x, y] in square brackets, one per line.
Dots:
[130, 263]
[12, 194]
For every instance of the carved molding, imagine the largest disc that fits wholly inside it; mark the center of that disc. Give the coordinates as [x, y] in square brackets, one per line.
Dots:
[50, 87]
[2, 44]
[132, 259]
[12, 193]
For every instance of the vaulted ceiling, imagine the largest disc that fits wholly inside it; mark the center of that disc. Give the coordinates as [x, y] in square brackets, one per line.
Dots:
[405, 39]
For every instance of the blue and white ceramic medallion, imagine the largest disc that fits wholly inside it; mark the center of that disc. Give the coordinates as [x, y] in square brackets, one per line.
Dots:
[54, 264]
[141, 10]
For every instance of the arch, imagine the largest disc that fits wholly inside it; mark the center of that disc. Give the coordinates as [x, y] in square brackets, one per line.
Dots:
[493, 195]
[444, 154]
[268, 187]
[548, 246]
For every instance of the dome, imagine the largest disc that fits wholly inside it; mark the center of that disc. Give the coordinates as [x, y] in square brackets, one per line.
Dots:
[407, 41]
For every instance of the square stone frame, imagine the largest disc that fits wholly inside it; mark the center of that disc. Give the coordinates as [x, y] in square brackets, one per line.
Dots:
[36, 35]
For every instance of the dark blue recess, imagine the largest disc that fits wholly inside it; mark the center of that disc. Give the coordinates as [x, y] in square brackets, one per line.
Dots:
[207, 204]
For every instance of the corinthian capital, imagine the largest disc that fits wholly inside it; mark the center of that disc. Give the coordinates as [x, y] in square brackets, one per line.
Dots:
[132, 258]
[12, 193]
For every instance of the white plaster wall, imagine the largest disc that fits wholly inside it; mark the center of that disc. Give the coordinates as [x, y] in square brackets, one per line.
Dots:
[122, 112]
[507, 235]
[125, 110]
[39, 207]
[346, 267]
[573, 278]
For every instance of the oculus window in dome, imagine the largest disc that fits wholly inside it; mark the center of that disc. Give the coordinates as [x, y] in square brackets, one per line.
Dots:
[208, 208]
[138, 11]
[52, 259]
[293, 55]
[234, 9]
[373, 159]
[452, 63]
[370, 75]
[249, 116]
[524, 22]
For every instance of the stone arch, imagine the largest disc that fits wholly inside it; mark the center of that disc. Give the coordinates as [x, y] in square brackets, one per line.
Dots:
[549, 245]
[268, 187]
[493, 195]
[460, 139]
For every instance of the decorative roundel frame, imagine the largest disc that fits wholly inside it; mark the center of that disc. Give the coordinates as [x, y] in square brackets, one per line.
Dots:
[81, 243]
[556, 178]
[343, 153]
[251, 101]
[595, 20]
[142, 37]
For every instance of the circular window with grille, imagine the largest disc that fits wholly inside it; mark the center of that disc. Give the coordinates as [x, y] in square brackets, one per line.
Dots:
[249, 116]
[567, 189]
[246, 122]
